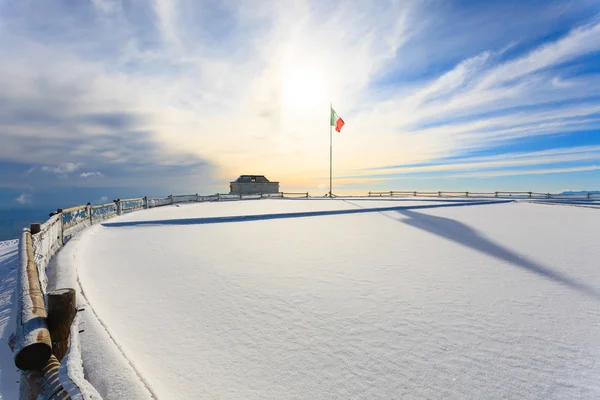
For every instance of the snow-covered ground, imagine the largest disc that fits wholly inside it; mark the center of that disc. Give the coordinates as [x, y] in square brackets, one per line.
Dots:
[9, 376]
[340, 299]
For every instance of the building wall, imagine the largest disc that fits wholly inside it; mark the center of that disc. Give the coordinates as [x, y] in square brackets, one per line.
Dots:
[254, 187]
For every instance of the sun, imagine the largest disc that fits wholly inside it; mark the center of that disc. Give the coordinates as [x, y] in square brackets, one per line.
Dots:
[302, 86]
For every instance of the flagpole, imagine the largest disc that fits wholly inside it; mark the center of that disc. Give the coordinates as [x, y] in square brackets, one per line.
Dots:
[330, 150]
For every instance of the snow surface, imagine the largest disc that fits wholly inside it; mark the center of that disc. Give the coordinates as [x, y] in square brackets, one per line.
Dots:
[9, 375]
[466, 301]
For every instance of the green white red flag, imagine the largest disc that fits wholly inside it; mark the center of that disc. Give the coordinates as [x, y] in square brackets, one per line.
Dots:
[336, 121]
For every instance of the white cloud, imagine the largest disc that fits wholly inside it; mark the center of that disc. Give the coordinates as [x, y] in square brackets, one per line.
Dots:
[255, 96]
[62, 168]
[24, 198]
[101, 200]
[90, 174]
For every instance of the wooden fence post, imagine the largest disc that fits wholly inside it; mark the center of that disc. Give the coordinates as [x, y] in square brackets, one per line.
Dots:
[35, 228]
[89, 211]
[307, 195]
[61, 312]
[62, 225]
[467, 194]
[45, 382]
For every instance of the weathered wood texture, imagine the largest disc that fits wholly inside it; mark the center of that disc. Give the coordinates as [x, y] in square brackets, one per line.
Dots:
[33, 345]
[45, 382]
[61, 312]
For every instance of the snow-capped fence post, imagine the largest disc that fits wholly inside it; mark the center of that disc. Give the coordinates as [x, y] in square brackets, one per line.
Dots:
[89, 212]
[369, 193]
[33, 345]
[61, 313]
[496, 194]
[118, 205]
[171, 197]
[415, 194]
[307, 195]
[197, 198]
[466, 194]
[145, 202]
[62, 225]
[589, 195]
[439, 194]
[218, 197]
[35, 228]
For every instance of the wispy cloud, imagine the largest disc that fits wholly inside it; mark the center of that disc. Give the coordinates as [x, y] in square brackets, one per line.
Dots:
[90, 174]
[179, 92]
[24, 198]
[62, 169]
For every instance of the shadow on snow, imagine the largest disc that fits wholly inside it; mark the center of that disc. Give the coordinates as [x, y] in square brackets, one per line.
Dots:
[466, 236]
[261, 217]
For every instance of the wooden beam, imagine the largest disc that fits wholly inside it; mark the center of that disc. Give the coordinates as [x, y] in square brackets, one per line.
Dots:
[61, 312]
[33, 345]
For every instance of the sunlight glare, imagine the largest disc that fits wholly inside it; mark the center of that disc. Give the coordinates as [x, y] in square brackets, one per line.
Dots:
[302, 87]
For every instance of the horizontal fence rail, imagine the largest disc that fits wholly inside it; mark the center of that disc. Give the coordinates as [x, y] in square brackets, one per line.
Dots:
[522, 195]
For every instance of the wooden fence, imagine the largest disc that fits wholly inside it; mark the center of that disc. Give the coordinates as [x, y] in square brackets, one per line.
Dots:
[38, 350]
[522, 195]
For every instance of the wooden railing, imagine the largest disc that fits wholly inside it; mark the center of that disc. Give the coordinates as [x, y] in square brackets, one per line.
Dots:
[525, 195]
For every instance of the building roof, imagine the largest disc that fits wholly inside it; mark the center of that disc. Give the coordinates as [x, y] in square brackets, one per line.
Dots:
[252, 179]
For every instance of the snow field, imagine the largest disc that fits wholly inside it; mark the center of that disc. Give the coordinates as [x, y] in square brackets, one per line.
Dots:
[475, 301]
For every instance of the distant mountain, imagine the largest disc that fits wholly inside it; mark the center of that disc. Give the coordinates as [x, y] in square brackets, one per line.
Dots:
[583, 192]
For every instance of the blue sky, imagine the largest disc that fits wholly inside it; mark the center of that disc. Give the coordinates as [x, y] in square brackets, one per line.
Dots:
[103, 99]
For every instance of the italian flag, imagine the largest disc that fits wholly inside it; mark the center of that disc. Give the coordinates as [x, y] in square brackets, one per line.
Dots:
[336, 121]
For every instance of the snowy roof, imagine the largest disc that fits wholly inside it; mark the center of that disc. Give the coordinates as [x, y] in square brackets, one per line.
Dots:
[252, 179]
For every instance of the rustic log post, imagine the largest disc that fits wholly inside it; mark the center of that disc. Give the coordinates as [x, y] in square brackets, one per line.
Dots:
[33, 346]
[89, 212]
[27, 389]
[35, 228]
[61, 312]
[45, 381]
[62, 225]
